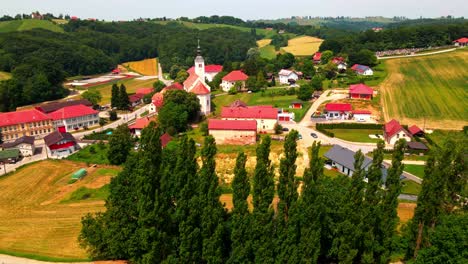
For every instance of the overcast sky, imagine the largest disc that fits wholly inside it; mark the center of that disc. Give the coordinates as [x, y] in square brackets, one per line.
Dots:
[245, 9]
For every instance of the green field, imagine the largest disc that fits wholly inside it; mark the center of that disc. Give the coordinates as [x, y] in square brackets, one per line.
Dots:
[267, 52]
[416, 170]
[28, 24]
[356, 135]
[4, 76]
[92, 154]
[430, 90]
[410, 187]
[202, 26]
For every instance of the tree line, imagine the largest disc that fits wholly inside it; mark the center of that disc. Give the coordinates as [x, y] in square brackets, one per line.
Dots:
[165, 208]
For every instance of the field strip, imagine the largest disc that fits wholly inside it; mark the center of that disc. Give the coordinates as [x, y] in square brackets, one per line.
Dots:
[415, 55]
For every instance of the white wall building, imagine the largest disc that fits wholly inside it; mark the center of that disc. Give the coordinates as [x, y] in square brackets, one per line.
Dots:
[74, 117]
[286, 75]
[24, 144]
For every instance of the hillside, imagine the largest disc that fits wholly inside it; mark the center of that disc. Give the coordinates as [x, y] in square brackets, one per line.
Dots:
[427, 90]
[28, 24]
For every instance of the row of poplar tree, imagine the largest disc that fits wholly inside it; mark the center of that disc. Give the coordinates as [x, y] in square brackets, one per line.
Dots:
[119, 97]
[165, 208]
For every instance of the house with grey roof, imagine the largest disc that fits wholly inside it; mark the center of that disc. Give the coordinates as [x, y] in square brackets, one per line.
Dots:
[24, 144]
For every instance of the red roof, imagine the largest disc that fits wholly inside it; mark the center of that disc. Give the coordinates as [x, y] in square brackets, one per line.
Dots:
[338, 60]
[158, 99]
[190, 80]
[415, 130]
[208, 68]
[216, 124]
[144, 91]
[200, 89]
[392, 127]
[141, 123]
[338, 107]
[235, 76]
[116, 70]
[255, 112]
[174, 86]
[21, 117]
[72, 111]
[360, 89]
[165, 139]
[135, 97]
[461, 40]
[362, 112]
[317, 56]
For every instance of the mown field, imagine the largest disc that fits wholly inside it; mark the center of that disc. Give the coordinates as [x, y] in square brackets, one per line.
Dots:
[303, 46]
[428, 89]
[40, 211]
[268, 52]
[147, 67]
[28, 24]
[4, 76]
[202, 26]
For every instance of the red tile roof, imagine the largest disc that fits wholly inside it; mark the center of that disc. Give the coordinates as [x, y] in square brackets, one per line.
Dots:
[144, 91]
[216, 124]
[362, 112]
[158, 99]
[208, 68]
[200, 89]
[317, 56]
[141, 123]
[338, 107]
[135, 97]
[235, 76]
[254, 112]
[392, 127]
[72, 111]
[338, 60]
[165, 139]
[174, 86]
[21, 117]
[461, 40]
[190, 80]
[360, 89]
[415, 130]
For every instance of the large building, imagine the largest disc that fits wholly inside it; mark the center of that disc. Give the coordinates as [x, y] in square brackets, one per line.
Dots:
[210, 71]
[60, 144]
[360, 91]
[338, 111]
[32, 122]
[266, 116]
[74, 117]
[235, 132]
[24, 144]
[54, 106]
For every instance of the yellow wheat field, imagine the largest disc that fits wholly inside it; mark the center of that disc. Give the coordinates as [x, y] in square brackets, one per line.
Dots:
[263, 42]
[303, 46]
[147, 67]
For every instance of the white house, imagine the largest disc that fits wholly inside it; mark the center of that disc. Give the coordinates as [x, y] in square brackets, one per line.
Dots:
[24, 144]
[343, 160]
[362, 115]
[230, 79]
[286, 76]
[338, 111]
[362, 70]
[393, 131]
[74, 117]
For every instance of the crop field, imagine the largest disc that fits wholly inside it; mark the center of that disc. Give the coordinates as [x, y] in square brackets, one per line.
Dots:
[28, 24]
[428, 90]
[41, 211]
[4, 76]
[303, 46]
[268, 52]
[131, 84]
[147, 67]
[263, 42]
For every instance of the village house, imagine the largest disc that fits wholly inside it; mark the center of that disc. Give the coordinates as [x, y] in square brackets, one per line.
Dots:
[362, 115]
[343, 159]
[288, 76]
[393, 131]
[362, 70]
[59, 144]
[416, 131]
[338, 111]
[74, 117]
[24, 144]
[54, 106]
[32, 122]
[140, 124]
[211, 71]
[135, 99]
[340, 63]
[317, 58]
[266, 116]
[461, 42]
[157, 100]
[360, 91]
[233, 132]
[231, 78]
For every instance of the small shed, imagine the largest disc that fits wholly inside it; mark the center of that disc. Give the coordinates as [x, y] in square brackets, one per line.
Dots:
[79, 174]
[10, 155]
[416, 131]
[296, 105]
[416, 147]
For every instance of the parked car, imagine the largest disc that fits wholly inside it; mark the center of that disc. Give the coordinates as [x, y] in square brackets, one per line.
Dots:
[285, 129]
[299, 136]
[313, 135]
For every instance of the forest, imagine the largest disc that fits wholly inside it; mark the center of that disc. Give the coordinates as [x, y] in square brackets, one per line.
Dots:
[164, 208]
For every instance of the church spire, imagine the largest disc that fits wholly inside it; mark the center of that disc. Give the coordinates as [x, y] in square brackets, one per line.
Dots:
[198, 48]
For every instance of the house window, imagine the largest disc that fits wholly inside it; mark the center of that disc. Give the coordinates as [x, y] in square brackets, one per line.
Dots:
[22, 126]
[397, 135]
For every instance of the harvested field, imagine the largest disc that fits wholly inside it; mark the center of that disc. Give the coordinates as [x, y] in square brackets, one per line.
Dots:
[303, 46]
[263, 42]
[144, 67]
[428, 90]
[34, 221]
[406, 211]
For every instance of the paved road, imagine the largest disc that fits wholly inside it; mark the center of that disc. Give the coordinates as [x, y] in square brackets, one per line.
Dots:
[415, 55]
[161, 76]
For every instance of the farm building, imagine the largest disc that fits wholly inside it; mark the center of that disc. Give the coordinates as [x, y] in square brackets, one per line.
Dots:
[211, 71]
[52, 107]
[416, 147]
[230, 80]
[317, 58]
[145, 91]
[360, 91]
[79, 174]
[60, 144]
[338, 111]
[135, 99]
[461, 42]
[157, 100]
[266, 116]
[287, 76]
[393, 131]
[140, 124]
[74, 117]
[10, 156]
[296, 105]
[32, 122]
[235, 132]
[362, 70]
[362, 115]
[285, 116]
[24, 144]
[416, 131]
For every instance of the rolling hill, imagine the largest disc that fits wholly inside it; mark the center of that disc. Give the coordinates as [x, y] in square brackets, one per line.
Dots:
[28, 24]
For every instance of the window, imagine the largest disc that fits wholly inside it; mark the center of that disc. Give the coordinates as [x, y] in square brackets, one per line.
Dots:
[397, 135]
[22, 126]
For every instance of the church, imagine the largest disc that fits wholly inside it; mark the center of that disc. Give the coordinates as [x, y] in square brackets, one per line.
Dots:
[196, 84]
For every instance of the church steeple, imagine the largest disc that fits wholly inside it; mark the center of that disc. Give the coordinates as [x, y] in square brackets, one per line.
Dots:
[198, 48]
[200, 63]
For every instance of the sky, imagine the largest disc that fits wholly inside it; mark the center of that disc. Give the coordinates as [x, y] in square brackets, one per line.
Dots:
[245, 9]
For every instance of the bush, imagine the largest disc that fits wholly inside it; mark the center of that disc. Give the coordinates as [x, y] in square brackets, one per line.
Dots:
[278, 129]
[204, 129]
[112, 115]
[232, 91]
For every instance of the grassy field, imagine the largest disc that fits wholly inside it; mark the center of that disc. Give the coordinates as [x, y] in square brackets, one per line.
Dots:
[303, 46]
[4, 76]
[410, 187]
[356, 135]
[93, 154]
[417, 170]
[428, 89]
[268, 52]
[202, 26]
[28, 24]
[34, 219]
[439, 136]
[144, 67]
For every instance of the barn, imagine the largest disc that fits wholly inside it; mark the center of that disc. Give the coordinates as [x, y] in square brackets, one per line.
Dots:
[360, 91]
[233, 132]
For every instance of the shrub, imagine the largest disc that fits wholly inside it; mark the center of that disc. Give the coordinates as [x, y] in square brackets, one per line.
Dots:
[278, 129]
[112, 115]
[232, 91]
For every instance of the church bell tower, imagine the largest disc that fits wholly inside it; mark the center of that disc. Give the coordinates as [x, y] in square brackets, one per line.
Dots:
[200, 64]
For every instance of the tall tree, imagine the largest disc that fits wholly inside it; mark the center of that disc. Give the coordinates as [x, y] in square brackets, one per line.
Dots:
[94, 96]
[263, 184]
[287, 187]
[115, 96]
[124, 101]
[120, 144]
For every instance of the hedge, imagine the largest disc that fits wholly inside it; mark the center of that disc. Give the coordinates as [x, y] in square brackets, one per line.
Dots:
[348, 126]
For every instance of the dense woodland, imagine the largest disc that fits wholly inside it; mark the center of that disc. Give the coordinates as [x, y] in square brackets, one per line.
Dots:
[164, 208]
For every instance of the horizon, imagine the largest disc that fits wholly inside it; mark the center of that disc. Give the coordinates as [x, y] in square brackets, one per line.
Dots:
[129, 10]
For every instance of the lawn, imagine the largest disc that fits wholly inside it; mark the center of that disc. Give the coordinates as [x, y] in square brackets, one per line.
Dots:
[268, 52]
[147, 67]
[410, 187]
[439, 136]
[4, 76]
[303, 46]
[34, 222]
[28, 24]
[417, 170]
[92, 154]
[356, 135]
[428, 90]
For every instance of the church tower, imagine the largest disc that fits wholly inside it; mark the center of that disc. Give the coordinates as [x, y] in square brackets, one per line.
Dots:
[200, 64]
